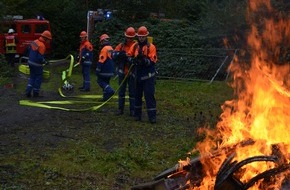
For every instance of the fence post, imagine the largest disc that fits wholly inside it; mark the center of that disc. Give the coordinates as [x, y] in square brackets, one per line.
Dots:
[217, 71]
[231, 63]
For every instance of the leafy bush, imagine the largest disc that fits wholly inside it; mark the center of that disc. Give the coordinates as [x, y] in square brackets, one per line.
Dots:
[5, 69]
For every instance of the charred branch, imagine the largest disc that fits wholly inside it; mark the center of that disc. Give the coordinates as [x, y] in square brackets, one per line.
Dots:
[228, 176]
[266, 174]
[229, 169]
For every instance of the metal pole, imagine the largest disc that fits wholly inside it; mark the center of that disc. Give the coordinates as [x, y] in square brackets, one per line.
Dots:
[231, 63]
[218, 70]
[88, 24]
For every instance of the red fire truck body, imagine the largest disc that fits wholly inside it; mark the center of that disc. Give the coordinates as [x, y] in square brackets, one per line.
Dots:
[25, 31]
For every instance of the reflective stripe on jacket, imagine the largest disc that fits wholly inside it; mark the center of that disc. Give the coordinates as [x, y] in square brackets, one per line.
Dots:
[10, 44]
[148, 50]
[105, 65]
[37, 50]
[123, 67]
[86, 53]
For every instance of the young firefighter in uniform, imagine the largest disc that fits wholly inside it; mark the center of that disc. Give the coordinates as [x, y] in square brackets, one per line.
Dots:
[123, 68]
[85, 60]
[105, 67]
[36, 61]
[145, 57]
[10, 47]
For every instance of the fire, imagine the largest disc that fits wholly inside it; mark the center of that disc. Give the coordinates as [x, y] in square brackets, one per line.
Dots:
[257, 121]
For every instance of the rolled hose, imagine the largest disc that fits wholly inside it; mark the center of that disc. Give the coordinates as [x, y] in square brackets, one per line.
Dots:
[65, 76]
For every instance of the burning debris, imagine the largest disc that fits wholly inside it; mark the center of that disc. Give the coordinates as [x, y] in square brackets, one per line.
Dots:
[226, 179]
[260, 113]
[191, 175]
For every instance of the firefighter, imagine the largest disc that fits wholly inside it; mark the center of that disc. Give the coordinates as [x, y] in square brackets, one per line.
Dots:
[105, 67]
[36, 62]
[144, 56]
[85, 60]
[123, 67]
[10, 47]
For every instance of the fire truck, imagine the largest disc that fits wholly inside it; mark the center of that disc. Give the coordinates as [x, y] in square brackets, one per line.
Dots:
[96, 16]
[26, 30]
[101, 15]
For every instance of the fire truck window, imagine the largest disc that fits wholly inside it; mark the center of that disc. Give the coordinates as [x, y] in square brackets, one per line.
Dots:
[26, 29]
[4, 27]
[39, 28]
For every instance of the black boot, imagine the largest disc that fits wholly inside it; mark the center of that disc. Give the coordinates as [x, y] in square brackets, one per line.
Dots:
[132, 113]
[107, 95]
[153, 120]
[37, 95]
[137, 118]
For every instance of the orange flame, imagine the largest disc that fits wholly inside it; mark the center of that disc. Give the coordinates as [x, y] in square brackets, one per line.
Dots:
[261, 111]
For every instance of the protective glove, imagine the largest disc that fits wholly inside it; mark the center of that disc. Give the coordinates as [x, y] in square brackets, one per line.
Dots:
[119, 56]
[122, 56]
[139, 59]
[115, 55]
[131, 61]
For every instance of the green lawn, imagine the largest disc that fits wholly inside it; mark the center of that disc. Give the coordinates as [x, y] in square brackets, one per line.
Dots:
[109, 152]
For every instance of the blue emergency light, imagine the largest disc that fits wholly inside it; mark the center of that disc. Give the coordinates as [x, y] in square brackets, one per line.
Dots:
[108, 14]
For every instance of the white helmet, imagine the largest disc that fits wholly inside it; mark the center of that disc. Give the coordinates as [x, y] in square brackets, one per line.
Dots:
[10, 31]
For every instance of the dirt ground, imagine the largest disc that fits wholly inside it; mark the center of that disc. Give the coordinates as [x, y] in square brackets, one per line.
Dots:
[25, 128]
[31, 130]
[25, 125]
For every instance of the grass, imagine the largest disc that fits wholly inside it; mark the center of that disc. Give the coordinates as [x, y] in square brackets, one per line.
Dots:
[110, 152]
